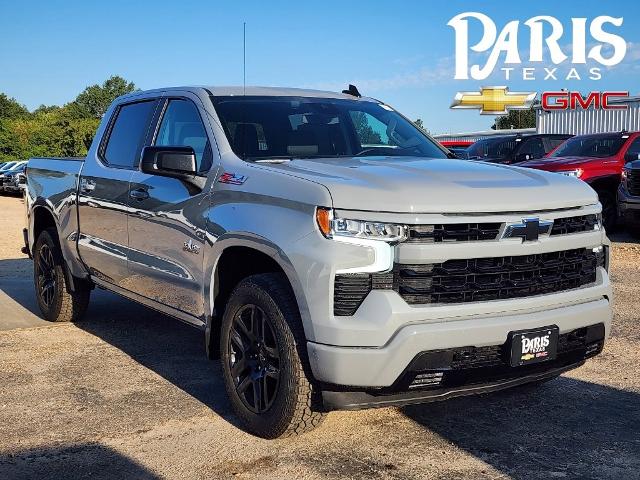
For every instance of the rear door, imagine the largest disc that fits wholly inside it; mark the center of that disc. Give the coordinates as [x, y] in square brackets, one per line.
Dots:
[104, 192]
[167, 223]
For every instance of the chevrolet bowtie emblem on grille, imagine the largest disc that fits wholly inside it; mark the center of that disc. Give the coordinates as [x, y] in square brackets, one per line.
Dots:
[494, 100]
[529, 230]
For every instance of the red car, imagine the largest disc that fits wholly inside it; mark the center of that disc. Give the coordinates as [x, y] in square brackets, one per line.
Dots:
[598, 159]
[456, 143]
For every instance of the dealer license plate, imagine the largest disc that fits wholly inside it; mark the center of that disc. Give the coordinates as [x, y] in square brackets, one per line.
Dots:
[533, 346]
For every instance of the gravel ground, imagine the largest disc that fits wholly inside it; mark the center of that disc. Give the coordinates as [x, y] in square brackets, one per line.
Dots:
[130, 394]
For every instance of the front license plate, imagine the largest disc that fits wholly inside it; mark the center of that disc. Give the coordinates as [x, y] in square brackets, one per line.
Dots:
[533, 346]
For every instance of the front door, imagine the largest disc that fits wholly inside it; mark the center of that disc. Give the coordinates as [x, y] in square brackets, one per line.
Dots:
[167, 222]
[104, 192]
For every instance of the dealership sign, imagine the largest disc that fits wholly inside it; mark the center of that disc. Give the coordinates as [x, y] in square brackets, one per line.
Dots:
[499, 100]
[568, 51]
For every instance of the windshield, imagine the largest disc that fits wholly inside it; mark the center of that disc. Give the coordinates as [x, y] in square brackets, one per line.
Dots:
[597, 146]
[302, 127]
[502, 147]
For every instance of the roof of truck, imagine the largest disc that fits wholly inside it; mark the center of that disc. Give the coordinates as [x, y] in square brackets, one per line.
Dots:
[224, 91]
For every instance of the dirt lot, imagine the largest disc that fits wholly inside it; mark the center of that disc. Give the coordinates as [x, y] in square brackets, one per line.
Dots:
[130, 394]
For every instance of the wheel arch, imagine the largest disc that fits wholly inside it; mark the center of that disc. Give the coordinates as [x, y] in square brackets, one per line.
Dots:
[42, 218]
[248, 254]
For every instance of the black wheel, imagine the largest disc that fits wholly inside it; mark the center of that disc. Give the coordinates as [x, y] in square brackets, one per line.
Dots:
[264, 363]
[53, 297]
[609, 210]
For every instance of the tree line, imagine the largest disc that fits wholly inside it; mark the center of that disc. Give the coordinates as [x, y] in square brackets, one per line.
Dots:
[56, 131]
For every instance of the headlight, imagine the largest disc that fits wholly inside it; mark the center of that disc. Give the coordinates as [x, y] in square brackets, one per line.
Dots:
[342, 227]
[598, 225]
[572, 173]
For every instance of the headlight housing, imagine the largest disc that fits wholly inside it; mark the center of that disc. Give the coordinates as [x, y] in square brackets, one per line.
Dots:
[572, 173]
[332, 227]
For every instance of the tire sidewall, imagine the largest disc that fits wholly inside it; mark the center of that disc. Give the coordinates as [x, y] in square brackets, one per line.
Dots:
[275, 420]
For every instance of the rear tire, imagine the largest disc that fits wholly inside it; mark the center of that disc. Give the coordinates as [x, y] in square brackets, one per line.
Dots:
[55, 301]
[264, 359]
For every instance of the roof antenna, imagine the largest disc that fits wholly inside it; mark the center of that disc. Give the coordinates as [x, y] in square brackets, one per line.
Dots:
[352, 90]
[244, 58]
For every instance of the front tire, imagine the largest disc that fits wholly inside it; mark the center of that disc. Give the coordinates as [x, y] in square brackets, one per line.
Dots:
[53, 295]
[264, 363]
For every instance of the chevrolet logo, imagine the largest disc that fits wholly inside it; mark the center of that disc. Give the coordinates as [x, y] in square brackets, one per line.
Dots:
[494, 100]
[529, 230]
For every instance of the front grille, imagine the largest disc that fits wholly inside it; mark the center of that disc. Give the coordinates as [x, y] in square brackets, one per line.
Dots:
[455, 232]
[482, 279]
[472, 280]
[567, 225]
[633, 181]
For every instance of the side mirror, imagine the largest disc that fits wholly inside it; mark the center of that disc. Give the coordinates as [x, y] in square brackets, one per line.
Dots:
[176, 162]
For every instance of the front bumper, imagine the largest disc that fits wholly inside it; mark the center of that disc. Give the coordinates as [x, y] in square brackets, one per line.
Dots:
[373, 367]
[345, 400]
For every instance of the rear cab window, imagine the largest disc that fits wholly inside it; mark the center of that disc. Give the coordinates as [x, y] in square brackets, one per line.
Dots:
[127, 134]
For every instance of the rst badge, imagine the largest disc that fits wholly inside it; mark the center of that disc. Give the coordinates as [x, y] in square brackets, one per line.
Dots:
[191, 247]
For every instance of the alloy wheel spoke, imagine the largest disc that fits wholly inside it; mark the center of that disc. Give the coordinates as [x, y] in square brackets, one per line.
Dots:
[272, 352]
[242, 328]
[258, 394]
[265, 392]
[238, 367]
[244, 384]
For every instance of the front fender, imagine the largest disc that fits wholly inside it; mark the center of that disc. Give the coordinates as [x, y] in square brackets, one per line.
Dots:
[265, 246]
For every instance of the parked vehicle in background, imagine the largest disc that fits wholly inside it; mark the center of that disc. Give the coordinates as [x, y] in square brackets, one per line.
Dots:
[7, 165]
[511, 149]
[597, 159]
[17, 183]
[331, 252]
[8, 176]
[629, 197]
[457, 147]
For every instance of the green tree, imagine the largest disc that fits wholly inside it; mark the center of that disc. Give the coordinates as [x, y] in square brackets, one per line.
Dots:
[10, 108]
[94, 100]
[366, 134]
[52, 131]
[516, 119]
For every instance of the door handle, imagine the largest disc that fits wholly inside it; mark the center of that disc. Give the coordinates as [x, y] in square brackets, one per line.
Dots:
[139, 194]
[87, 186]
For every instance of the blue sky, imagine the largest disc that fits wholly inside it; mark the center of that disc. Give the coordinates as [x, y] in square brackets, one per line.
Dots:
[399, 52]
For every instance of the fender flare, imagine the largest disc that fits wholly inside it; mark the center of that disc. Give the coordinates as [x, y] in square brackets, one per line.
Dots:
[42, 204]
[262, 245]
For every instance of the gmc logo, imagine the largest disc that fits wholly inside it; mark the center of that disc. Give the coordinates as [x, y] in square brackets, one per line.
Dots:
[575, 100]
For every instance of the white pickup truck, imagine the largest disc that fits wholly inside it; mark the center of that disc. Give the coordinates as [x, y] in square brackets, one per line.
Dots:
[333, 254]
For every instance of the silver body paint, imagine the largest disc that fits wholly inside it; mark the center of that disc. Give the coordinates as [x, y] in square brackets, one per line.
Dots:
[162, 251]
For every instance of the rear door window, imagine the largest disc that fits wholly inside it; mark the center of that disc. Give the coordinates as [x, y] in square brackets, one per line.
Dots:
[128, 134]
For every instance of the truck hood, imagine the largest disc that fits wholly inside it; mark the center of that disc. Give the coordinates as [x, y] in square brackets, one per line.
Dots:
[423, 185]
[555, 164]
